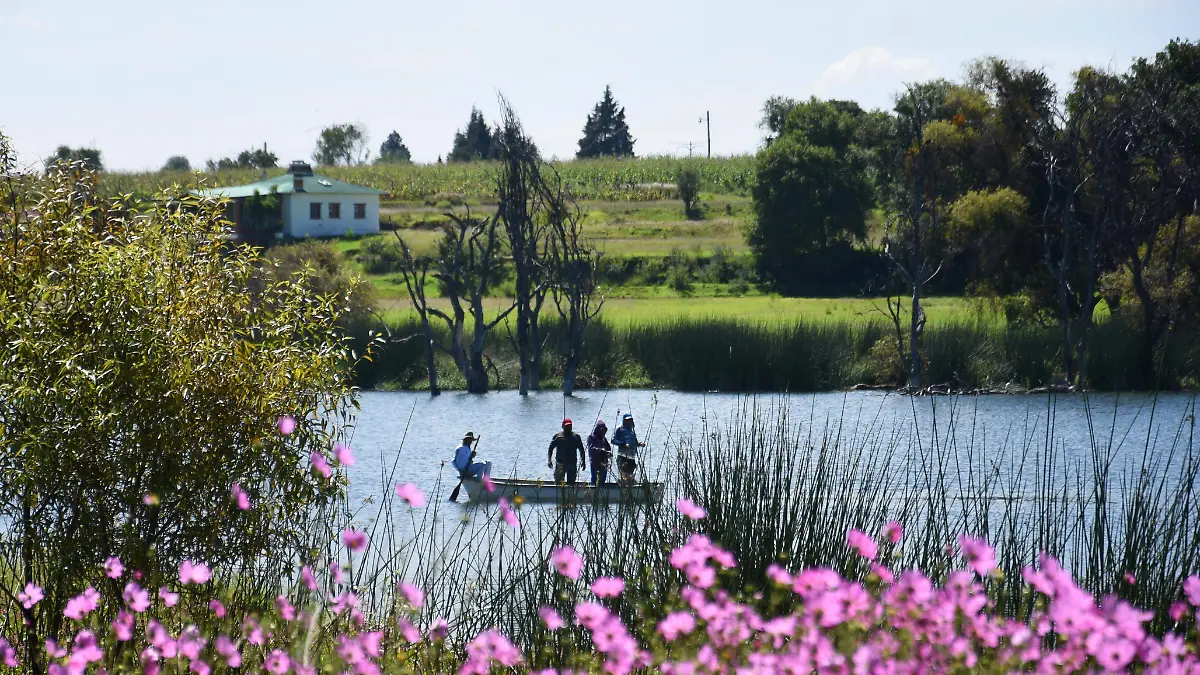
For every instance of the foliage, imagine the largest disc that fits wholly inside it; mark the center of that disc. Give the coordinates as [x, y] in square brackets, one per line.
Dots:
[393, 149]
[320, 271]
[254, 158]
[982, 225]
[342, 145]
[775, 113]
[605, 134]
[473, 142]
[687, 184]
[177, 163]
[143, 379]
[90, 157]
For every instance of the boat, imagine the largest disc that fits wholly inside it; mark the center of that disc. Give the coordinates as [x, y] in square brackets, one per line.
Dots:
[540, 491]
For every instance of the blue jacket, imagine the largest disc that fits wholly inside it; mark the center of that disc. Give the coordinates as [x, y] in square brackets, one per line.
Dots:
[462, 457]
[623, 436]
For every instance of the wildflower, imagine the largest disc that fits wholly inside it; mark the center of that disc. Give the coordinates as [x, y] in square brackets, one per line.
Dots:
[84, 651]
[54, 651]
[894, 531]
[320, 465]
[190, 643]
[413, 595]
[31, 596]
[1191, 588]
[1130, 579]
[508, 515]
[439, 629]
[862, 543]
[980, 557]
[113, 569]
[344, 601]
[193, 573]
[343, 455]
[286, 424]
[82, 604]
[701, 576]
[8, 655]
[885, 575]
[777, 574]
[339, 576]
[411, 495]
[690, 509]
[136, 597]
[1114, 654]
[676, 624]
[307, 578]
[488, 484]
[240, 497]
[286, 610]
[123, 626]
[567, 562]
[254, 633]
[217, 608]
[169, 599]
[489, 646]
[551, 618]
[1177, 611]
[200, 667]
[608, 587]
[354, 540]
[408, 631]
[278, 662]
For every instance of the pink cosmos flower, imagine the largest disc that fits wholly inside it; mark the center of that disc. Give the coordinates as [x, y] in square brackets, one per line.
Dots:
[567, 562]
[190, 643]
[307, 578]
[508, 515]
[84, 651]
[1130, 579]
[8, 655]
[123, 626]
[169, 599]
[980, 557]
[320, 465]
[608, 587]
[676, 624]
[885, 575]
[286, 610]
[113, 569]
[408, 631]
[414, 596]
[286, 424]
[862, 543]
[894, 531]
[335, 570]
[488, 484]
[1177, 611]
[240, 497]
[344, 601]
[200, 667]
[31, 596]
[278, 662]
[136, 597]
[1191, 589]
[217, 608]
[778, 575]
[439, 629]
[689, 509]
[354, 539]
[343, 455]
[193, 573]
[411, 494]
[551, 618]
[82, 604]
[590, 615]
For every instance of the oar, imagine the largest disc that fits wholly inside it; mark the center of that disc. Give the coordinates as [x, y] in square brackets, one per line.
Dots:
[454, 492]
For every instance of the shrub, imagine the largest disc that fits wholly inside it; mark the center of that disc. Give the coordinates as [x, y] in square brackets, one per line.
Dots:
[687, 183]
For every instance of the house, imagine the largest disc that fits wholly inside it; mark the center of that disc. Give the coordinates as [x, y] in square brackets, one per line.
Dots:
[310, 205]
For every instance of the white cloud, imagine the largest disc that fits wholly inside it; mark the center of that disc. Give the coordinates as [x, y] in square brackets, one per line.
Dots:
[872, 74]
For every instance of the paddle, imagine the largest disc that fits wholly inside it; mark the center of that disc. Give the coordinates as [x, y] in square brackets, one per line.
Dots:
[454, 492]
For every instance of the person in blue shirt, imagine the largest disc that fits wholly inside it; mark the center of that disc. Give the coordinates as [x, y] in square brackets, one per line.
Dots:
[463, 456]
[625, 439]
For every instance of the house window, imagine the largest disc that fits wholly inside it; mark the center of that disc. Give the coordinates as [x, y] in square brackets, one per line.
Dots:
[314, 211]
[335, 210]
[360, 211]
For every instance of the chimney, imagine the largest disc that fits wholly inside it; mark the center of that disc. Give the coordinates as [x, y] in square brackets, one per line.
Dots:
[299, 170]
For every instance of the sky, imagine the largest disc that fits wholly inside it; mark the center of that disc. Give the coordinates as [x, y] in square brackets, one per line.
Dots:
[146, 79]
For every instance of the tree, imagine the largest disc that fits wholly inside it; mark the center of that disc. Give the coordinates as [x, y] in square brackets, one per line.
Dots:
[393, 150]
[177, 163]
[687, 184]
[575, 273]
[254, 158]
[774, 115]
[605, 134]
[342, 144]
[90, 157]
[474, 142]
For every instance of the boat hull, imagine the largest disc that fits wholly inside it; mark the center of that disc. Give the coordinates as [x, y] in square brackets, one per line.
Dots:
[531, 491]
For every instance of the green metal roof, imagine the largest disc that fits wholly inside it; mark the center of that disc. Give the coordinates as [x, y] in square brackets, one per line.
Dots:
[283, 184]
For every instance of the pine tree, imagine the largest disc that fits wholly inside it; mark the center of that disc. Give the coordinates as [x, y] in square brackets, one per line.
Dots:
[474, 142]
[606, 134]
[394, 150]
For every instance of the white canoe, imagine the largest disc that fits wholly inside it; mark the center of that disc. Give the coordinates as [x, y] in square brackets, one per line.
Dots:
[579, 493]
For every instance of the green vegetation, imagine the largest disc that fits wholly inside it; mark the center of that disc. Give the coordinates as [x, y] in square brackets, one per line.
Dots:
[606, 134]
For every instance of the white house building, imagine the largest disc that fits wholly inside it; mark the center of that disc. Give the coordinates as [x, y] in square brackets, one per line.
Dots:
[310, 205]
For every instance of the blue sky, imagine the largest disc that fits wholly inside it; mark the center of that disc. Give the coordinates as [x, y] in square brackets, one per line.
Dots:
[146, 79]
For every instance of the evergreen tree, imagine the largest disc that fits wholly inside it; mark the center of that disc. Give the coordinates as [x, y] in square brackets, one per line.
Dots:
[474, 142]
[606, 134]
[394, 150]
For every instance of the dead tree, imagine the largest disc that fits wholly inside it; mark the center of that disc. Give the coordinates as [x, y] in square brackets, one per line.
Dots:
[416, 271]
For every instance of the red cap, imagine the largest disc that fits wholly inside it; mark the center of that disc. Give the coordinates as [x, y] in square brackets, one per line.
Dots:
[567, 421]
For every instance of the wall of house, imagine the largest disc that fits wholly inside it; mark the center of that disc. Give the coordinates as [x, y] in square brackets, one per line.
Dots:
[297, 223]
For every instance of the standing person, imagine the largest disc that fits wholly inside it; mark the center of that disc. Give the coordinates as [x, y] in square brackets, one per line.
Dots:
[566, 448]
[600, 452]
[627, 444]
[463, 457]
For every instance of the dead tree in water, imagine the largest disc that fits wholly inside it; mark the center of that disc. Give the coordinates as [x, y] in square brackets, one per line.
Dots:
[574, 271]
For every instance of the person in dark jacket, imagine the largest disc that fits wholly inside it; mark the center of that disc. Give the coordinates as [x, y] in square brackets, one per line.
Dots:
[566, 448]
[600, 452]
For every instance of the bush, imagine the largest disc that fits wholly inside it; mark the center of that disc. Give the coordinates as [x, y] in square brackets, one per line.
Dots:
[320, 270]
[687, 183]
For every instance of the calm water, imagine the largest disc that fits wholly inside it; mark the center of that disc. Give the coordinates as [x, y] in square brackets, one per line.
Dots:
[410, 437]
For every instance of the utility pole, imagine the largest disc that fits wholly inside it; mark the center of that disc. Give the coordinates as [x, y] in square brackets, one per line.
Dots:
[708, 123]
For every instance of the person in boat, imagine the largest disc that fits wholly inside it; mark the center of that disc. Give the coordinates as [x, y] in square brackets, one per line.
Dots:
[464, 459]
[625, 438]
[566, 448]
[599, 452]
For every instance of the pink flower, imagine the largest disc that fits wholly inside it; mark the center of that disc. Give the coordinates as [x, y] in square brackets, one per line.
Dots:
[286, 424]
[1130, 579]
[439, 629]
[123, 626]
[82, 604]
[508, 515]
[136, 597]
[217, 608]
[408, 631]
[1177, 611]
[278, 662]
[894, 531]
[567, 561]
[1191, 588]
[343, 455]
[590, 614]
[608, 587]
[689, 509]
[169, 599]
[8, 655]
[307, 578]
[193, 573]
[551, 618]
[980, 557]
[84, 651]
[150, 499]
[113, 569]
[320, 465]
[414, 596]
[488, 484]
[286, 610]
[335, 570]
[862, 543]
[240, 497]
[885, 575]
[779, 575]
[31, 596]
[411, 494]
[1115, 653]
[354, 540]
[676, 624]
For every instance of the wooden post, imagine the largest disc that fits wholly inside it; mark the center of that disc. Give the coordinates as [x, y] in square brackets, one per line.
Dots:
[708, 124]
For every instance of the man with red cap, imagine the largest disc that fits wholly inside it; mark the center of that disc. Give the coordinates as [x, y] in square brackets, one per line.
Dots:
[566, 448]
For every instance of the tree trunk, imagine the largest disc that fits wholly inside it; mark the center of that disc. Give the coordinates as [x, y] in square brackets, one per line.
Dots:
[430, 362]
[914, 347]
